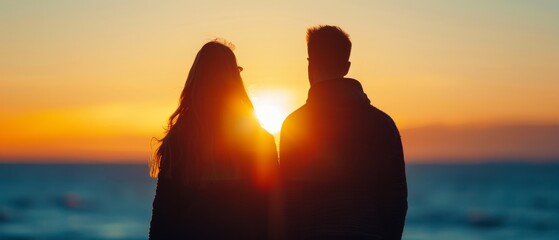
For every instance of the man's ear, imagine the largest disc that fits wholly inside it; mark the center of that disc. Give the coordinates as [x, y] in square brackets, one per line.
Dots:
[346, 68]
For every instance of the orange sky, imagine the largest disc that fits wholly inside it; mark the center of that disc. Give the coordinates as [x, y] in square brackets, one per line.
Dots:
[97, 80]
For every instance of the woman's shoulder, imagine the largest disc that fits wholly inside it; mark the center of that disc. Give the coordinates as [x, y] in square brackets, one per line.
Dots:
[265, 135]
[251, 131]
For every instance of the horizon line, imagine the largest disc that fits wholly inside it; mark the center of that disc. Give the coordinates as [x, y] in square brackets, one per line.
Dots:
[435, 160]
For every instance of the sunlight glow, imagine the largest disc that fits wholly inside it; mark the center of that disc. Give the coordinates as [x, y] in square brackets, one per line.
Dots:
[270, 118]
[270, 108]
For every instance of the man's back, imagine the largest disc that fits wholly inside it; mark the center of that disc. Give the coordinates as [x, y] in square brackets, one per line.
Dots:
[342, 167]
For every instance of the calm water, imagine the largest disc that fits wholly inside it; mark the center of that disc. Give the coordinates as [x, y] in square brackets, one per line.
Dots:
[486, 201]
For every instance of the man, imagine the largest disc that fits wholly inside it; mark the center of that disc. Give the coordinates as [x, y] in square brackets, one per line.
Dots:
[341, 159]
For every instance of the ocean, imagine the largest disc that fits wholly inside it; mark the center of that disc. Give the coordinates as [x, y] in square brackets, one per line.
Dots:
[446, 201]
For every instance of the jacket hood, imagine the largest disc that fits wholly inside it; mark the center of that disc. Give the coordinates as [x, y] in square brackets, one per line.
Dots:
[341, 92]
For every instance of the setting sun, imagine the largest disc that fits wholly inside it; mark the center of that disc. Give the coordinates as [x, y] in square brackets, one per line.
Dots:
[270, 118]
[270, 109]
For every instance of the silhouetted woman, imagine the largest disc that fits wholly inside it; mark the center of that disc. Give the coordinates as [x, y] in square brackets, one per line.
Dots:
[215, 165]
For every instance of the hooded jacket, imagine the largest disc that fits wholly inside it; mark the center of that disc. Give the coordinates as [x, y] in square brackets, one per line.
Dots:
[342, 167]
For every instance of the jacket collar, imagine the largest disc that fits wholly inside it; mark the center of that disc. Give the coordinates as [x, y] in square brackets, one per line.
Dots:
[341, 92]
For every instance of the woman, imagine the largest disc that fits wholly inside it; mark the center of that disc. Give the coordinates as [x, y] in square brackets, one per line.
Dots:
[215, 166]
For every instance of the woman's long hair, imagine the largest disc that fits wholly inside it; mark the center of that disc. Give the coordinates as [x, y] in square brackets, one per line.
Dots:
[212, 100]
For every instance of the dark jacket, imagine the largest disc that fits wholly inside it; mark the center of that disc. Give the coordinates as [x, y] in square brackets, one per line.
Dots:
[342, 167]
[226, 208]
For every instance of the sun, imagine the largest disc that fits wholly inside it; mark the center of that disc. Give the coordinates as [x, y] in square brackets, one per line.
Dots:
[269, 107]
[269, 118]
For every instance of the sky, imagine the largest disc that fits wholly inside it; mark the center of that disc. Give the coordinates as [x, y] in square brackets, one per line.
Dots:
[96, 80]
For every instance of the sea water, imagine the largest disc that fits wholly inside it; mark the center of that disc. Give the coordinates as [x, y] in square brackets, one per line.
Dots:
[446, 201]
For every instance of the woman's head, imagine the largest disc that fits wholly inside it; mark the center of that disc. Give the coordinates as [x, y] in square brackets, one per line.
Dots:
[213, 94]
[214, 80]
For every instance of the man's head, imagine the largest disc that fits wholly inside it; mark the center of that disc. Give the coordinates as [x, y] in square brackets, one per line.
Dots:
[329, 48]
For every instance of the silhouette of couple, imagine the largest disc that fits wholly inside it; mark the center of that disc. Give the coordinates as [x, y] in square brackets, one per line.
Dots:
[340, 173]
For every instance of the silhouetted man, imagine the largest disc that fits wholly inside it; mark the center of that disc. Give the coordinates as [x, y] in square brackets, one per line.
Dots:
[341, 159]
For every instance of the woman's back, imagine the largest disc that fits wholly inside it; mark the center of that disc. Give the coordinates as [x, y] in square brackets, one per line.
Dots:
[216, 165]
[231, 205]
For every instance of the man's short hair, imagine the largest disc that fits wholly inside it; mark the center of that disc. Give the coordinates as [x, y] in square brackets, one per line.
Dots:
[328, 45]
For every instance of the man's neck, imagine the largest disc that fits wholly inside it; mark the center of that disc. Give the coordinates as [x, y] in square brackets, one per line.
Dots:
[325, 78]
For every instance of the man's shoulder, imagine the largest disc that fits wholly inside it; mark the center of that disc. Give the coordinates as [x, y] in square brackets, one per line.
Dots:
[371, 112]
[297, 114]
[379, 115]
[382, 120]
